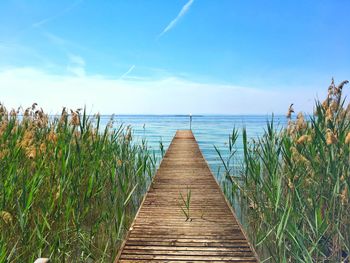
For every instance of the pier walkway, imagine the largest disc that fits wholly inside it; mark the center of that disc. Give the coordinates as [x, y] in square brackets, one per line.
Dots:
[161, 231]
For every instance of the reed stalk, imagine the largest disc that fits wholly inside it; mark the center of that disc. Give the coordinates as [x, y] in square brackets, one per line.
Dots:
[69, 188]
[293, 186]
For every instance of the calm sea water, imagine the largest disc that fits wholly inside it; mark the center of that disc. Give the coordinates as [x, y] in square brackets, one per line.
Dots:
[208, 130]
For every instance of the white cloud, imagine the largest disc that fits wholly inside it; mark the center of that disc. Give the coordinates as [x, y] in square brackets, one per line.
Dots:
[74, 59]
[76, 65]
[127, 72]
[171, 95]
[77, 71]
[183, 11]
[57, 15]
[58, 41]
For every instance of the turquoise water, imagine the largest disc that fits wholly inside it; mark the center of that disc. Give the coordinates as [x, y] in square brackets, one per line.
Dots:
[208, 130]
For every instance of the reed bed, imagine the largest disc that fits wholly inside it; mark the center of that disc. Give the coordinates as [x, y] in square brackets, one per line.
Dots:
[69, 189]
[293, 185]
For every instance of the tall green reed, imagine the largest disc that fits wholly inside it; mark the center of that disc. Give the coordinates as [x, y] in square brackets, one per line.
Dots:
[293, 186]
[68, 188]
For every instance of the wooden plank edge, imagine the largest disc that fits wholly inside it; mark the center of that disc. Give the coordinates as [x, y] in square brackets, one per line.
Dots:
[138, 211]
[230, 206]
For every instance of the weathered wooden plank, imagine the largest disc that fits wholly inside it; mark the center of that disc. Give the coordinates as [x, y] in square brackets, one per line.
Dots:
[239, 248]
[177, 261]
[189, 258]
[160, 231]
[197, 253]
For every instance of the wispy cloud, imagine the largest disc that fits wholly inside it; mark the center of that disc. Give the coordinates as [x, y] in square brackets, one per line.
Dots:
[178, 96]
[183, 11]
[76, 65]
[14, 53]
[127, 72]
[55, 16]
[59, 41]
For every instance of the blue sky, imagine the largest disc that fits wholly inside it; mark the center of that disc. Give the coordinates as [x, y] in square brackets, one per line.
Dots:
[164, 57]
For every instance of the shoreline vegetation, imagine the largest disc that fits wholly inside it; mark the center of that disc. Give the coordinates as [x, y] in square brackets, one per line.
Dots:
[292, 187]
[68, 189]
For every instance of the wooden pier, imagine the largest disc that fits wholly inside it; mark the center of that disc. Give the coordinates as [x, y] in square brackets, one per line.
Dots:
[162, 233]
